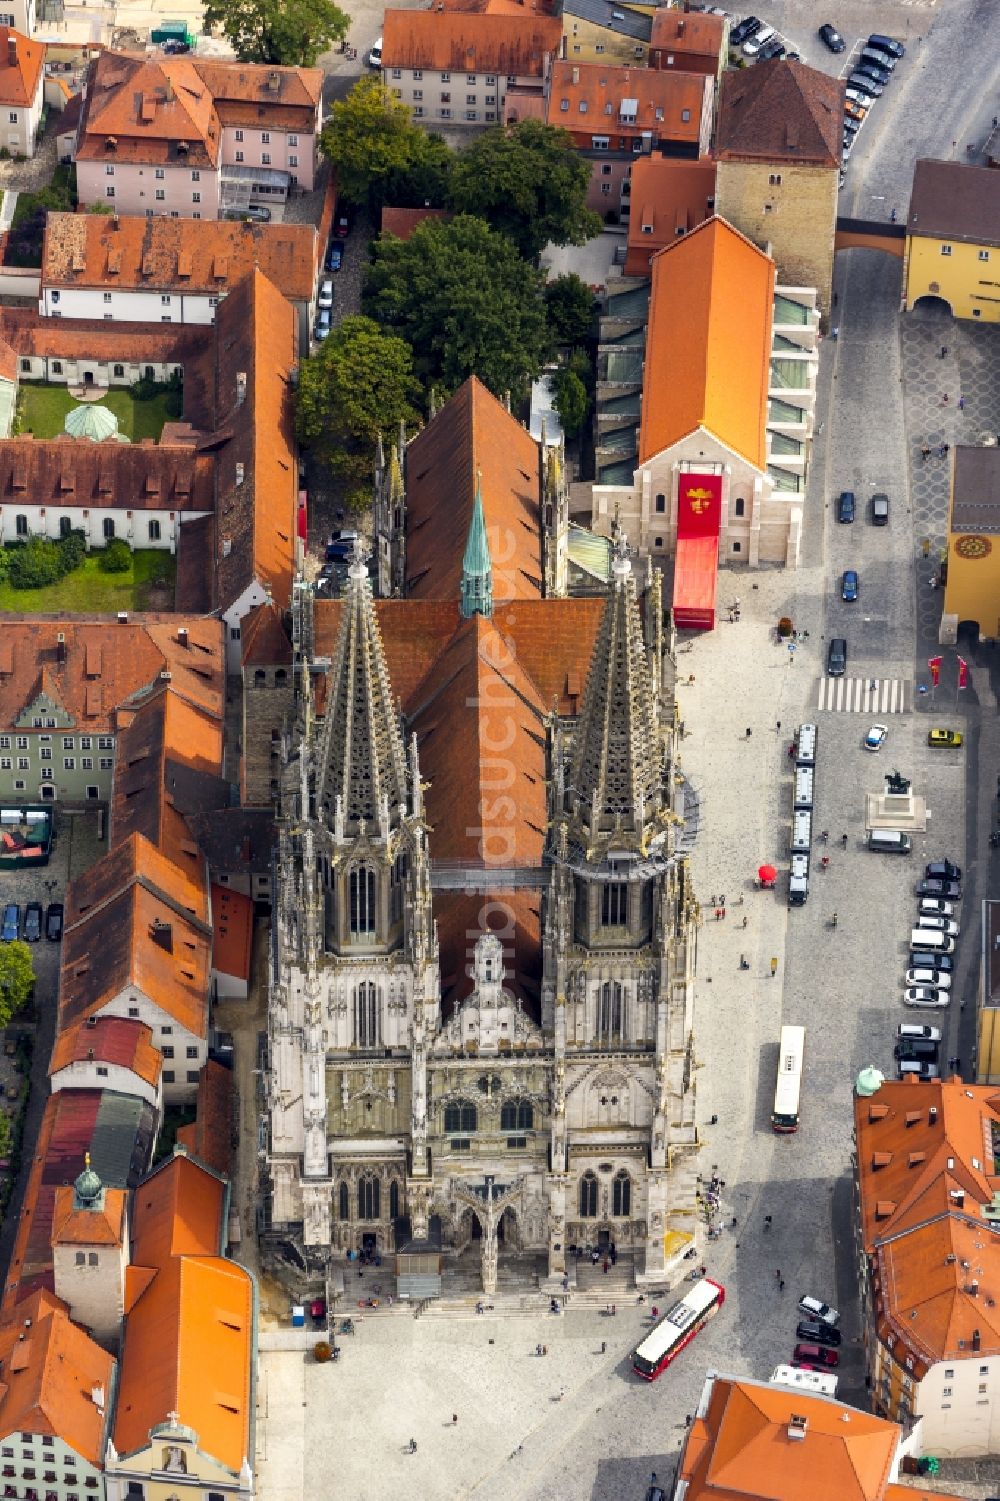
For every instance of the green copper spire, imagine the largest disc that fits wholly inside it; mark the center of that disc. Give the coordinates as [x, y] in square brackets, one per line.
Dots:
[477, 565]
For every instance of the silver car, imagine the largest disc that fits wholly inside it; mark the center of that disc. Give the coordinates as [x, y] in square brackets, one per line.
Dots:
[925, 995]
[938, 924]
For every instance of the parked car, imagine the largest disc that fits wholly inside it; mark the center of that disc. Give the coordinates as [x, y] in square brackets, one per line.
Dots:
[922, 1067]
[921, 1049]
[836, 657]
[860, 98]
[817, 1332]
[935, 907]
[744, 29]
[831, 37]
[918, 1029]
[754, 43]
[951, 889]
[846, 506]
[771, 50]
[943, 870]
[944, 739]
[54, 922]
[340, 546]
[342, 224]
[325, 296]
[321, 328]
[11, 923]
[887, 44]
[866, 84]
[814, 1356]
[815, 1308]
[929, 975]
[876, 737]
[938, 924]
[880, 509]
[875, 55]
[334, 255]
[849, 585]
[869, 68]
[176, 47]
[851, 127]
[854, 110]
[259, 213]
[32, 922]
[931, 959]
[375, 55]
[925, 995]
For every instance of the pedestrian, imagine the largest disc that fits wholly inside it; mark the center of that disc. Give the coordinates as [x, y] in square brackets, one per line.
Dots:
[767, 1222]
[718, 913]
[925, 453]
[945, 399]
[749, 732]
[843, 841]
[777, 726]
[781, 1285]
[892, 217]
[835, 331]
[745, 919]
[723, 914]
[722, 899]
[605, 1266]
[925, 546]
[614, 1310]
[736, 612]
[604, 1346]
[777, 1276]
[732, 1222]
[454, 1419]
[961, 403]
[945, 450]
[774, 968]
[655, 1312]
[944, 351]
[538, 1349]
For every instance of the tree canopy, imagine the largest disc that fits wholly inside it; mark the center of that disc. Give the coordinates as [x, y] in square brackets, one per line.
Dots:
[369, 136]
[289, 32]
[465, 301]
[571, 401]
[528, 181]
[17, 977]
[569, 304]
[358, 383]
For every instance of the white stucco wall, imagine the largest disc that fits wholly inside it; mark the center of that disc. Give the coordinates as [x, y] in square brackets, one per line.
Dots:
[184, 192]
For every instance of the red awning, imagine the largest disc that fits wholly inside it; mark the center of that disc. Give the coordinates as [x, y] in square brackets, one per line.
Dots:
[695, 579]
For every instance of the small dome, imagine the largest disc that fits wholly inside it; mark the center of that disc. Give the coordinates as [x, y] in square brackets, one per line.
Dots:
[94, 422]
[88, 1186]
[869, 1081]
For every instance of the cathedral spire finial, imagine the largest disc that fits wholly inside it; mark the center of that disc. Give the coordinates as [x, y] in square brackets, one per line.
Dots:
[477, 565]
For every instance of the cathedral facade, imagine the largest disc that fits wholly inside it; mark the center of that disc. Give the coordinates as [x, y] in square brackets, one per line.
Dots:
[484, 931]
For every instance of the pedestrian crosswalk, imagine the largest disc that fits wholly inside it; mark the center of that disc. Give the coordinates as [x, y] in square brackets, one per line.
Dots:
[875, 696]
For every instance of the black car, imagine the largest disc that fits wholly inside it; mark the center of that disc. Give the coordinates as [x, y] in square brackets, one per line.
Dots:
[925, 959]
[880, 509]
[817, 1333]
[340, 547]
[846, 506]
[54, 922]
[865, 84]
[920, 1049]
[176, 48]
[831, 37]
[880, 59]
[943, 870]
[743, 30]
[773, 49]
[950, 890]
[868, 67]
[32, 922]
[11, 923]
[887, 44]
[836, 657]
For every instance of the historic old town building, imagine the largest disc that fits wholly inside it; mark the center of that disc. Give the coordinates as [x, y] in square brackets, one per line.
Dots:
[484, 936]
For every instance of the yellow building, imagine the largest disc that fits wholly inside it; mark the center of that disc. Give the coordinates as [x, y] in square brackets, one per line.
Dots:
[953, 239]
[606, 31]
[972, 589]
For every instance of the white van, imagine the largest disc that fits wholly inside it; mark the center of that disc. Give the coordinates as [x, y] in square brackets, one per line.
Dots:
[798, 881]
[802, 823]
[822, 1382]
[928, 941]
[889, 842]
[375, 55]
[804, 778]
[805, 745]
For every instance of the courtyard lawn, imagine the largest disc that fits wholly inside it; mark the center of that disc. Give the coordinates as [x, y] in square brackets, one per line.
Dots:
[89, 591]
[42, 410]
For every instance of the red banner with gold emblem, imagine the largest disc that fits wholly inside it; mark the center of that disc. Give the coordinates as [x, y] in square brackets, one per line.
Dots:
[699, 505]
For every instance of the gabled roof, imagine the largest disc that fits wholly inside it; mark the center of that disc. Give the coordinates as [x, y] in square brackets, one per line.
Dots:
[21, 64]
[30, 334]
[266, 86]
[232, 932]
[155, 109]
[75, 1226]
[780, 111]
[189, 1338]
[52, 1373]
[401, 222]
[694, 38]
[136, 859]
[670, 198]
[953, 201]
[467, 43]
[160, 254]
[73, 472]
[264, 641]
[473, 434]
[587, 99]
[114, 1040]
[209, 1137]
[614, 17]
[708, 343]
[767, 1443]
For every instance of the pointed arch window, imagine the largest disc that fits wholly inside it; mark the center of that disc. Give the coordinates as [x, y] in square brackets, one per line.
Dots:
[588, 1196]
[344, 1202]
[369, 1197]
[362, 896]
[622, 1195]
[614, 904]
[397, 888]
[610, 1012]
[394, 1200]
[366, 1015]
[517, 1115]
[459, 1117]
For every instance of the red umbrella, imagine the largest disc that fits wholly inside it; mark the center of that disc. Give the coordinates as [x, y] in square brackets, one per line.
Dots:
[768, 873]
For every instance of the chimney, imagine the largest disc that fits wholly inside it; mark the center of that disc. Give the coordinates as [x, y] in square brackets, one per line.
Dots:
[182, 635]
[241, 387]
[977, 1341]
[958, 1197]
[974, 1289]
[162, 934]
[61, 646]
[97, 1396]
[680, 28]
[123, 617]
[932, 1115]
[797, 1426]
[169, 91]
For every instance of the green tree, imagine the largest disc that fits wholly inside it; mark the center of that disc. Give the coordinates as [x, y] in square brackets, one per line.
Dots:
[358, 383]
[17, 979]
[465, 301]
[571, 401]
[425, 180]
[288, 32]
[569, 304]
[369, 136]
[529, 181]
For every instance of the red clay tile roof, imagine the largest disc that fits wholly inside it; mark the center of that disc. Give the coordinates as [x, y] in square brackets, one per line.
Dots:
[161, 254]
[463, 43]
[780, 111]
[28, 333]
[708, 343]
[472, 435]
[262, 84]
[926, 1169]
[128, 476]
[21, 64]
[515, 916]
[104, 1226]
[148, 107]
[694, 38]
[264, 639]
[232, 932]
[593, 95]
[51, 1370]
[209, 1137]
[132, 859]
[670, 197]
[114, 1040]
[401, 222]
